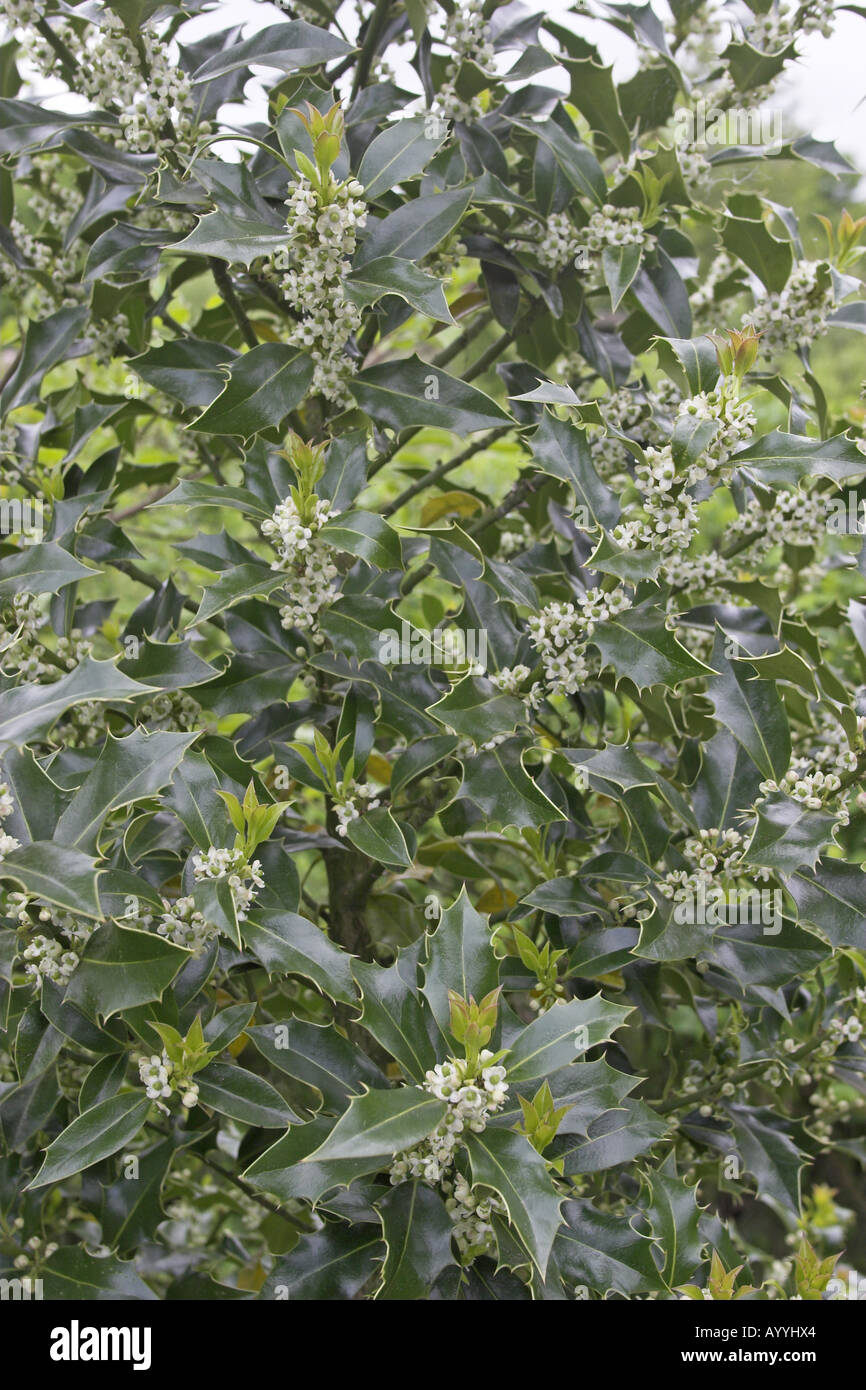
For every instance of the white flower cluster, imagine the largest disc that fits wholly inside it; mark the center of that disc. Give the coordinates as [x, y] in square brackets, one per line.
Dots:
[160, 1081]
[797, 517]
[7, 806]
[560, 243]
[851, 1030]
[645, 416]
[510, 681]
[796, 315]
[561, 631]
[9, 458]
[737, 423]
[307, 560]
[59, 288]
[47, 959]
[715, 851]
[21, 652]
[472, 1210]
[468, 36]
[140, 80]
[670, 518]
[813, 785]
[85, 725]
[184, 925]
[703, 298]
[51, 205]
[613, 226]
[243, 878]
[108, 337]
[771, 31]
[20, 14]
[708, 573]
[472, 1099]
[474, 1103]
[70, 651]
[20, 621]
[467, 747]
[171, 709]
[321, 238]
[695, 168]
[668, 514]
[444, 259]
[348, 803]
[515, 541]
[711, 855]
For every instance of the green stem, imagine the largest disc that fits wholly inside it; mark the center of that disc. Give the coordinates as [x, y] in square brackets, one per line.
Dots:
[227, 290]
[375, 26]
[430, 479]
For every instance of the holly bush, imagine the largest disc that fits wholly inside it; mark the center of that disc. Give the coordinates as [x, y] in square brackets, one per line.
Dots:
[432, 686]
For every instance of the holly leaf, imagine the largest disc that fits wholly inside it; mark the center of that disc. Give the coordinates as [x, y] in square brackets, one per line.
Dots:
[120, 969]
[638, 646]
[30, 710]
[62, 876]
[393, 275]
[126, 771]
[333, 1265]
[417, 1231]
[243, 1096]
[508, 1164]
[497, 782]
[783, 460]
[832, 898]
[561, 1036]
[787, 836]
[602, 1251]
[562, 450]
[380, 1124]
[459, 957]
[287, 47]
[392, 1013]
[262, 387]
[100, 1132]
[409, 393]
[289, 944]
[318, 1056]
[377, 834]
[401, 151]
[752, 709]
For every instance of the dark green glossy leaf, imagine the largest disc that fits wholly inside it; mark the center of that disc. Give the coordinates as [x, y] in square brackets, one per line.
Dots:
[243, 1096]
[417, 1231]
[287, 943]
[262, 387]
[507, 1163]
[381, 1123]
[120, 969]
[95, 1135]
[409, 393]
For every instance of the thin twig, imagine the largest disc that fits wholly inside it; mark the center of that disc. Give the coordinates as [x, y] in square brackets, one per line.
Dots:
[227, 290]
[430, 479]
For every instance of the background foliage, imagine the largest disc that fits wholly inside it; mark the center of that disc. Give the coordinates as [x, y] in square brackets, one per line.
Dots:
[331, 969]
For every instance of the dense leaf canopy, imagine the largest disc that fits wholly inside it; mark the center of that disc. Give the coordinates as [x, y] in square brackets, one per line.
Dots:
[432, 666]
